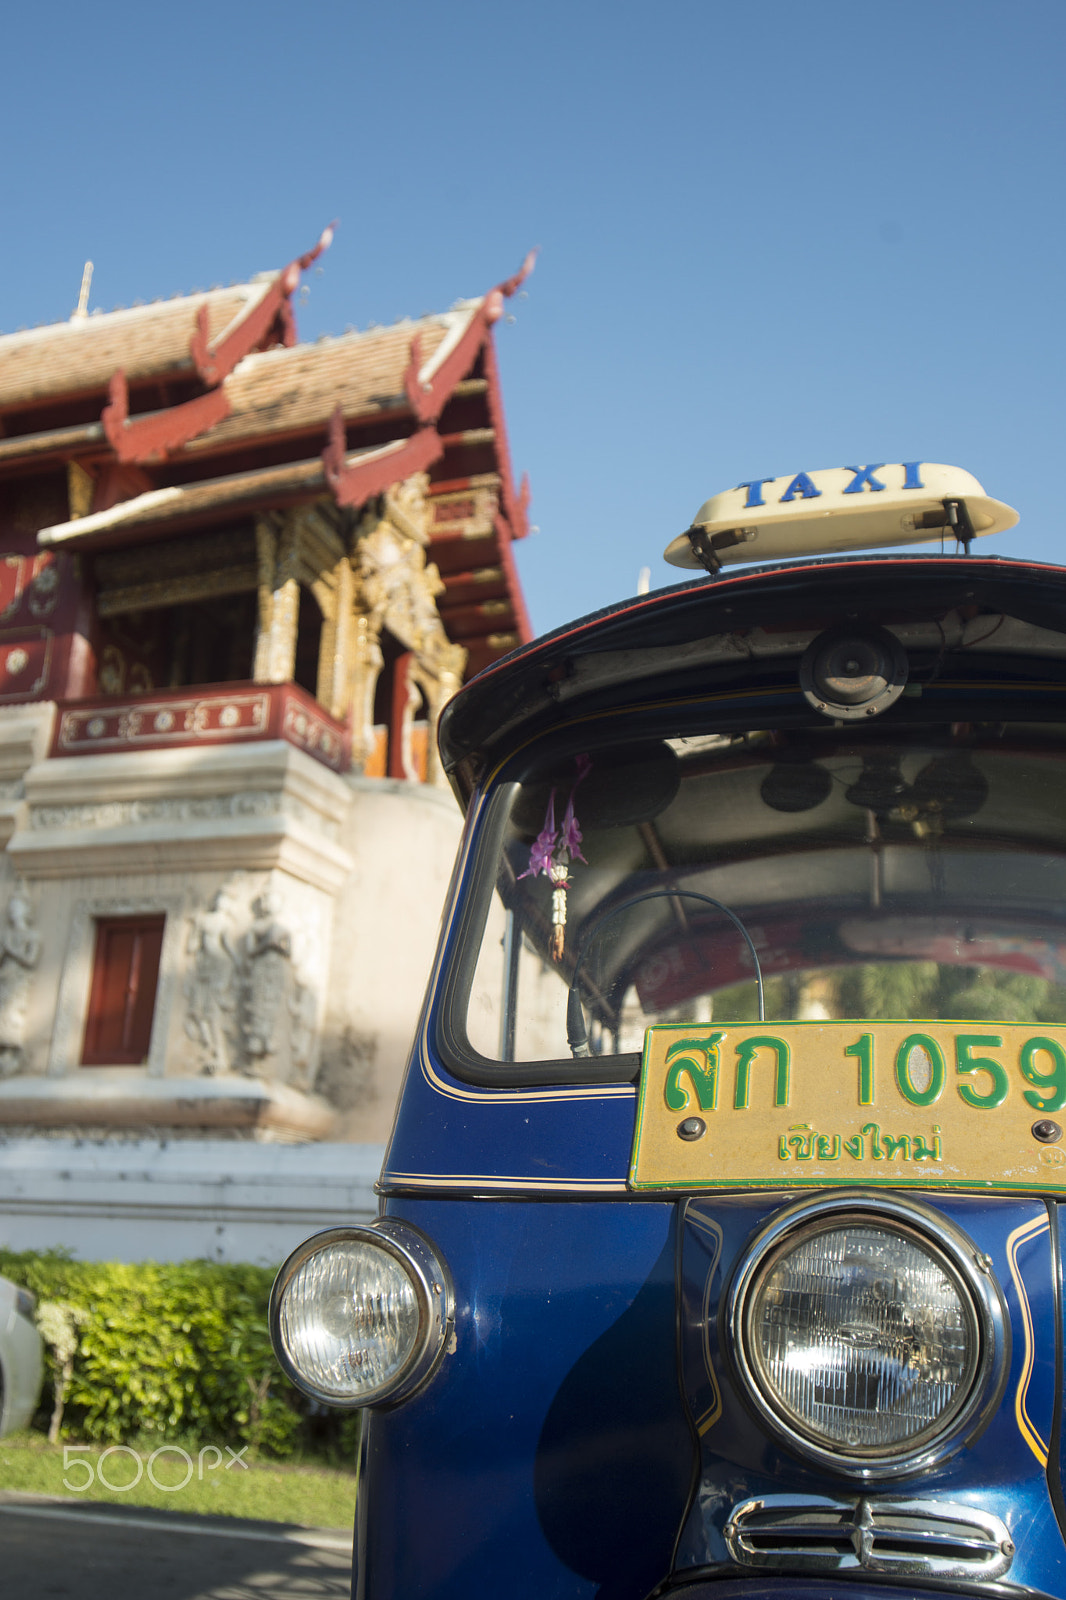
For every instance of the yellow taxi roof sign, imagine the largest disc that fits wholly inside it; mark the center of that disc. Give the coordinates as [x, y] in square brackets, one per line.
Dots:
[838, 509]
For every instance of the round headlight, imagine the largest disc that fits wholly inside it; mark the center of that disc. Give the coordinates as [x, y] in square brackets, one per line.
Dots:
[865, 1339]
[360, 1316]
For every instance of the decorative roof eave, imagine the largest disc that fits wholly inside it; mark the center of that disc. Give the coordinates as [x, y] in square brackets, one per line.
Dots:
[363, 473]
[515, 506]
[284, 392]
[429, 388]
[354, 480]
[523, 625]
[215, 361]
[152, 436]
[174, 506]
[429, 385]
[73, 359]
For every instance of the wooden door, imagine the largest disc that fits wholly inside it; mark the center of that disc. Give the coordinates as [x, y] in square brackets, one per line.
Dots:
[118, 1030]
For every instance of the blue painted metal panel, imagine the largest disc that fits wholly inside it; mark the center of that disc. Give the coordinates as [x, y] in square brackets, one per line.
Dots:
[1002, 1471]
[450, 1134]
[553, 1446]
[550, 1455]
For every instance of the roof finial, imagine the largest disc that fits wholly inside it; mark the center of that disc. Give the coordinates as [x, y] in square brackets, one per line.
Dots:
[81, 310]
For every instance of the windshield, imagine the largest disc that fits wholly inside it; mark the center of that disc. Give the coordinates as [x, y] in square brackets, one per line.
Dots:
[864, 873]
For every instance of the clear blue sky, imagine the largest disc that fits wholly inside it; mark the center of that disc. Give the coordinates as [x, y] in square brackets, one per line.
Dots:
[773, 235]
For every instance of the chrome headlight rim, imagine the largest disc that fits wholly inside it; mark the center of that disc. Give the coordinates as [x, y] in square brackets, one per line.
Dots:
[952, 1249]
[431, 1282]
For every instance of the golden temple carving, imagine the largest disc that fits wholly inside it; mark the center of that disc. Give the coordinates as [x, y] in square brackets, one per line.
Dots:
[381, 583]
[396, 589]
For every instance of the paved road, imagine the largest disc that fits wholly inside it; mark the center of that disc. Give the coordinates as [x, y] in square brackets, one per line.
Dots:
[49, 1551]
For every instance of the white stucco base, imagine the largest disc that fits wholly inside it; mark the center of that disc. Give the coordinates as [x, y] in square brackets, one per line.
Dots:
[175, 1200]
[356, 869]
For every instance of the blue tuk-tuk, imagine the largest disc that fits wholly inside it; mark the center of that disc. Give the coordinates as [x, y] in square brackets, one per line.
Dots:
[719, 1253]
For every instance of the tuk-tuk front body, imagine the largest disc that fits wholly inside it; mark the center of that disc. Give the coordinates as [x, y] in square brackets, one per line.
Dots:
[731, 1130]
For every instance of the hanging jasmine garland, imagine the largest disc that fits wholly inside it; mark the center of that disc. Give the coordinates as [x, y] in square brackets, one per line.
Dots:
[553, 851]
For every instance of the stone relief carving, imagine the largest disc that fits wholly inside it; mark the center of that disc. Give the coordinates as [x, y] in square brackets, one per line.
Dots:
[211, 982]
[267, 948]
[121, 813]
[279, 1010]
[346, 1076]
[125, 813]
[251, 1006]
[20, 951]
[303, 1011]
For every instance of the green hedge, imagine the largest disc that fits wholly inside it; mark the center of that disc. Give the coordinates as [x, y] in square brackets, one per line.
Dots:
[175, 1350]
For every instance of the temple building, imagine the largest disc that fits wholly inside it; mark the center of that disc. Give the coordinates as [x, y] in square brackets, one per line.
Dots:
[239, 578]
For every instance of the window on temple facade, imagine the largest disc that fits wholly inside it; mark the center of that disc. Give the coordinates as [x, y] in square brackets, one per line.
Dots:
[308, 642]
[210, 641]
[118, 1029]
[174, 647]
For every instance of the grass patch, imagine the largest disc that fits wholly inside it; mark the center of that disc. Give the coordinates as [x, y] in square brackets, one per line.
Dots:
[308, 1496]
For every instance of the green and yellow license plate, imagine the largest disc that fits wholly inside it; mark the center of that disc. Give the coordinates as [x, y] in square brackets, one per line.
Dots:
[962, 1105]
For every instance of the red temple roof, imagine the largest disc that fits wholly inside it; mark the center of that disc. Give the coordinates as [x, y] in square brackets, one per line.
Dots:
[181, 412]
[81, 356]
[286, 391]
